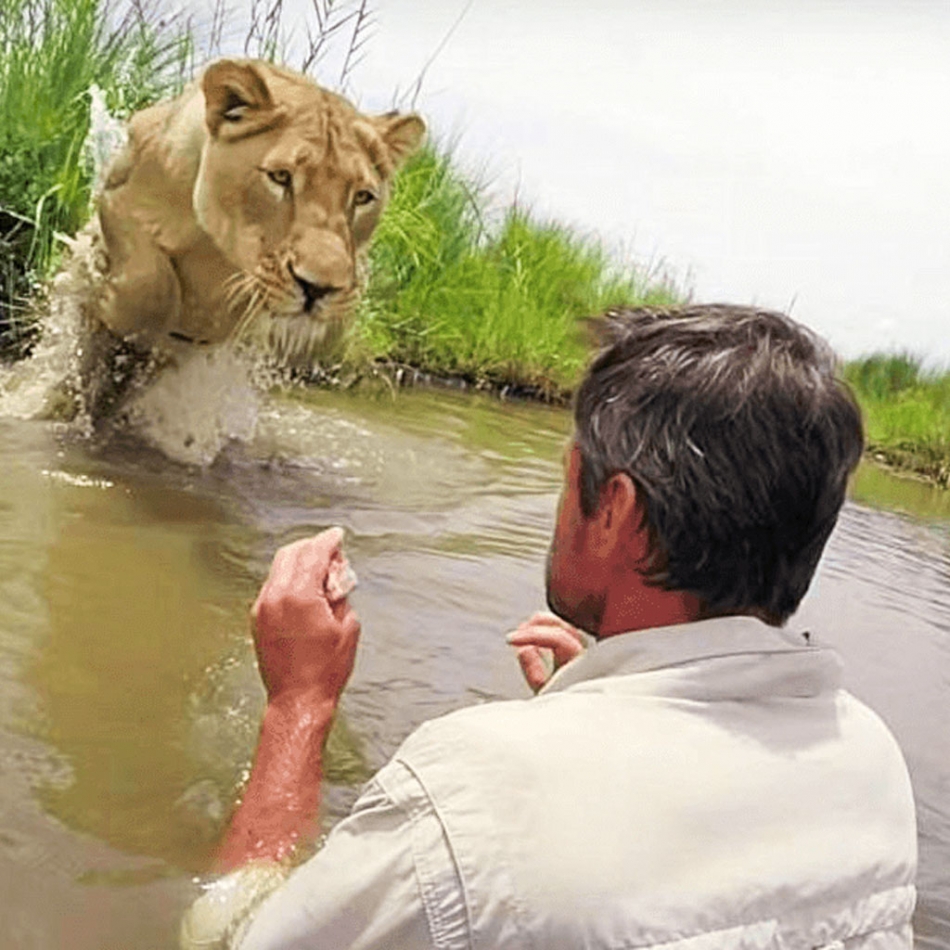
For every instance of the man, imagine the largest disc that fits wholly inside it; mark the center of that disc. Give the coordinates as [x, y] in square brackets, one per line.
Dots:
[697, 778]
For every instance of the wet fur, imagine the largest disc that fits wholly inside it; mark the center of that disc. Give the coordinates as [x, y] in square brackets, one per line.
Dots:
[203, 244]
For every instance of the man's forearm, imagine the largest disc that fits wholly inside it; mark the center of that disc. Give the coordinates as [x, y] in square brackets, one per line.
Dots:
[279, 807]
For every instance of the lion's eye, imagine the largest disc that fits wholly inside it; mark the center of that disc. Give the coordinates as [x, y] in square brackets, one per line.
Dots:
[280, 176]
[363, 197]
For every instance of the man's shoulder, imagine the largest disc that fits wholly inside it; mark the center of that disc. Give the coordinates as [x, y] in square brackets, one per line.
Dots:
[498, 737]
[491, 721]
[512, 736]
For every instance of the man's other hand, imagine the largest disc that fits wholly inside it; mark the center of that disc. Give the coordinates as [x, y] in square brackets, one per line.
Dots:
[306, 643]
[542, 635]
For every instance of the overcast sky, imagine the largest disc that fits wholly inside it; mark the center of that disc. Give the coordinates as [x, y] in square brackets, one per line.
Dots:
[790, 154]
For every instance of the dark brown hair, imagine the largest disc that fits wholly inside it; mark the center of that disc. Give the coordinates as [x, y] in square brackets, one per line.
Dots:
[733, 425]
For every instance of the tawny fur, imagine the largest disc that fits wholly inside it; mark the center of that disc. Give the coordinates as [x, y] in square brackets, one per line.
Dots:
[244, 206]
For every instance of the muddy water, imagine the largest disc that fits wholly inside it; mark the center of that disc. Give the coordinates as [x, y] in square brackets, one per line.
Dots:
[128, 694]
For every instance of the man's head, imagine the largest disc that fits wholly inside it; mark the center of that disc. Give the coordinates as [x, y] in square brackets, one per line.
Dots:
[736, 440]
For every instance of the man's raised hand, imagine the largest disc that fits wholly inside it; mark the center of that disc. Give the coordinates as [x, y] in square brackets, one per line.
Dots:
[542, 635]
[306, 637]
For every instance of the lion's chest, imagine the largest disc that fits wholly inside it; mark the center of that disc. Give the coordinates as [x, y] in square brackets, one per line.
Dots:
[205, 276]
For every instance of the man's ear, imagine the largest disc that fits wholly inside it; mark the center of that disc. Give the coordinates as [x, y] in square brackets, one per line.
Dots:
[402, 134]
[618, 516]
[235, 95]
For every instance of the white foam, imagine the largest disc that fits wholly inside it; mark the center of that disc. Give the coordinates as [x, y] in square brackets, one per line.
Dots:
[195, 406]
[188, 404]
[106, 136]
[189, 408]
[29, 388]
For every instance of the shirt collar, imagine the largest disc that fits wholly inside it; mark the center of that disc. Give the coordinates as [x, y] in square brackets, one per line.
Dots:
[812, 667]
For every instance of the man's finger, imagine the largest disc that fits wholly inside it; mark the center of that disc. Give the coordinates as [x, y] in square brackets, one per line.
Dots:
[298, 572]
[347, 617]
[533, 667]
[308, 554]
[546, 618]
[562, 643]
[303, 565]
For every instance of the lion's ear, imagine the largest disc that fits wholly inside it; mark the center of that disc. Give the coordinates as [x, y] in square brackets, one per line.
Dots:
[235, 92]
[401, 133]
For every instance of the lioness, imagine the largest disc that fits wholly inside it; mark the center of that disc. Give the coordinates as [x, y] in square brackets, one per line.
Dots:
[253, 193]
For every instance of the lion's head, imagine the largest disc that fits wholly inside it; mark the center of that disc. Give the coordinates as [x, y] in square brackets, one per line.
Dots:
[291, 183]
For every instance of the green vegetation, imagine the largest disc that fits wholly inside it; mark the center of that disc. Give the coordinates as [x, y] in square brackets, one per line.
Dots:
[906, 411]
[455, 290]
[496, 304]
[53, 53]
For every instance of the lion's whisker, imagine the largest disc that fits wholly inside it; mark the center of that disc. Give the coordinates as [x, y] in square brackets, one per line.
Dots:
[236, 278]
[237, 286]
[252, 311]
[246, 284]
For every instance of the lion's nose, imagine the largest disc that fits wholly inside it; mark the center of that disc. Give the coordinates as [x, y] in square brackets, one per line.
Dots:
[312, 292]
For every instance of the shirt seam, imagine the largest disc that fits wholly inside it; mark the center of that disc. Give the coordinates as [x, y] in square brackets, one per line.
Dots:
[451, 850]
[427, 886]
[525, 938]
[416, 812]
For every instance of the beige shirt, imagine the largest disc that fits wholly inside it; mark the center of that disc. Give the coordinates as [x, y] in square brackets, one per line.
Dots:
[705, 785]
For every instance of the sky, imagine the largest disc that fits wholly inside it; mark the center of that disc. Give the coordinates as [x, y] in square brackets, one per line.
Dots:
[793, 155]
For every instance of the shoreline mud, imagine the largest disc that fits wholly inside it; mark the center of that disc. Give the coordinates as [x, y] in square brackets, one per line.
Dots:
[920, 463]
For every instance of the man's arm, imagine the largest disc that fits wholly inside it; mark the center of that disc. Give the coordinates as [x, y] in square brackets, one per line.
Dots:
[306, 645]
[365, 888]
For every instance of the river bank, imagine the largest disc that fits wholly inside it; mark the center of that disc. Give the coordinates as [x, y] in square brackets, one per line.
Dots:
[455, 301]
[906, 409]
[920, 452]
[461, 292]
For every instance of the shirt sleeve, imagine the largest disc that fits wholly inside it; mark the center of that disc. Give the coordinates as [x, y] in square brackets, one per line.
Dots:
[384, 879]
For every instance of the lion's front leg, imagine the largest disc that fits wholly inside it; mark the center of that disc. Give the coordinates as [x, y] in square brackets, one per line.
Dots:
[107, 369]
[140, 295]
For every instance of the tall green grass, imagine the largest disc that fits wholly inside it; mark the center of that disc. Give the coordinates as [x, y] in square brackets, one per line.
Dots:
[497, 302]
[493, 297]
[52, 52]
[906, 411]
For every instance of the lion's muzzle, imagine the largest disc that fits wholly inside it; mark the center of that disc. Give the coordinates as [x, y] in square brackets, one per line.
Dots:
[323, 257]
[312, 293]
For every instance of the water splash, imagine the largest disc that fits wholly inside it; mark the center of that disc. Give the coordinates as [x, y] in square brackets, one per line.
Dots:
[196, 405]
[188, 403]
[43, 385]
[107, 135]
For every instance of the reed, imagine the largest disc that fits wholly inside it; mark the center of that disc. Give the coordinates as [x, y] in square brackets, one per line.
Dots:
[456, 289]
[906, 409]
[494, 299]
[52, 54]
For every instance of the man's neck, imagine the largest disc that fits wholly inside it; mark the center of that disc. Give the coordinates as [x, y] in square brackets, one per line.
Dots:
[641, 607]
